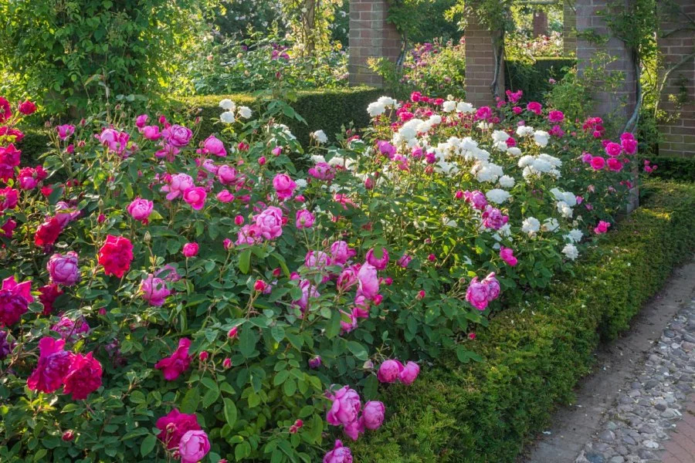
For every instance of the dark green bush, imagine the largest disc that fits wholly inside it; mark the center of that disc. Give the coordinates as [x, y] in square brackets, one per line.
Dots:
[33, 145]
[534, 78]
[681, 169]
[535, 354]
[326, 110]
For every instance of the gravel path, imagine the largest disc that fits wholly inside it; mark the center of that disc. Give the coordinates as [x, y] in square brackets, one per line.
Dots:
[626, 408]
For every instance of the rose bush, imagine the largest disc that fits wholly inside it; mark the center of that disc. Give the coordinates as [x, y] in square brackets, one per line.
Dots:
[213, 302]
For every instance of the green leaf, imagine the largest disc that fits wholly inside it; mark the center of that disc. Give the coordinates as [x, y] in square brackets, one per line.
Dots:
[211, 397]
[245, 261]
[230, 412]
[281, 377]
[148, 445]
[189, 404]
[358, 350]
[333, 327]
[278, 333]
[247, 342]
[371, 388]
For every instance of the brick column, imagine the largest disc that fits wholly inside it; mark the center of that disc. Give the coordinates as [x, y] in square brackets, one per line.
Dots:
[480, 66]
[679, 134]
[620, 103]
[370, 37]
[569, 28]
[540, 23]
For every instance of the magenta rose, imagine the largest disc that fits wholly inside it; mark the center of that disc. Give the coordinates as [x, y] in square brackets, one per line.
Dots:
[613, 149]
[354, 429]
[140, 209]
[69, 329]
[345, 408]
[379, 263]
[409, 373]
[347, 279]
[83, 377]
[305, 219]
[193, 447]
[339, 454]
[227, 175]
[368, 281]
[14, 300]
[177, 185]
[476, 199]
[598, 163]
[389, 371]
[177, 363]
[190, 249]
[317, 259]
[477, 295]
[507, 255]
[141, 120]
[54, 364]
[212, 145]
[373, 414]
[154, 290]
[174, 425]
[151, 132]
[341, 252]
[195, 197]
[614, 164]
[177, 135]
[284, 186]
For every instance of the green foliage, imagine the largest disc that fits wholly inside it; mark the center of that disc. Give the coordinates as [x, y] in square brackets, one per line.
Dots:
[73, 52]
[534, 355]
[421, 21]
[681, 169]
[33, 145]
[533, 78]
[327, 110]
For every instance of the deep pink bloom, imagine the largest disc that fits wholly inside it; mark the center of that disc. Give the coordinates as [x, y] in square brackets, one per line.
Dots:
[354, 429]
[347, 278]
[141, 120]
[154, 290]
[14, 300]
[368, 281]
[177, 136]
[27, 108]
[305, 219]
[116, 255]
[379, 263]
[9, 159]
[193, 446]
[64, 131]
[269, 222]
[177, 363]
[213, 145]
[373, 414]
[9, 197]
[174, 426]
[151, 132]
[493, 286]
[249, 234]
[556, 117]
[507, 255]
[225, 196]
[602, 227]
[341, 252]
[615, 165]
[228, 175]
[415, 97]
[598, 163]
[345, 408]
[404, 261]
[477, 294]
[54, 364]
[587, 157]
[284, 186]
[535, 108]
[140, 209]
[493, 218]
[389, 371]
[339, 454]
[514, 97]
[64, 269]
[483, 113]
[190, 249]
[83, 377]
[628, 143]
[114, 140]
[476, 199]
[177, 185]
[409, 373]
[195, 197]
[68, 329]
[315, 362]
[613, 149]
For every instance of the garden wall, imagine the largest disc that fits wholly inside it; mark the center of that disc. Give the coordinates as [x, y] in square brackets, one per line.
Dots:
[534, 355]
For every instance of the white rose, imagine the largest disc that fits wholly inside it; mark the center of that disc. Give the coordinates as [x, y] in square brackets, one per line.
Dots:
[541, 138]
[376, 109]
[245, 112]
[497, 196]
[514, 151]
[500, 135]
[524, 131]
[550, 225]
[319, 136]
[570, 251]
[564, 209]
[227, 117]
[449, 106]
[317, 158]
[301, 183]
[227, 104]
[575, 235]
[464, 107]
[531, 226]
[506, 181]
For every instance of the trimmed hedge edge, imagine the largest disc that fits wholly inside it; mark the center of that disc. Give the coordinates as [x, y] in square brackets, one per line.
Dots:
[534, 355]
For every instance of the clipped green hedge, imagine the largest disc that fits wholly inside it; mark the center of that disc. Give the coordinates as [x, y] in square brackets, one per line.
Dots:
[534, 78]
[534, 355]
[323, 109]
[681, 169]
[33, 145]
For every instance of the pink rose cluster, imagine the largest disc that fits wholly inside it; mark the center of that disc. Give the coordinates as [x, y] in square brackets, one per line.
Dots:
[182, 434]
[79, 374]
[347, 411]
[391, 371]
[615, 152]
[480, 293]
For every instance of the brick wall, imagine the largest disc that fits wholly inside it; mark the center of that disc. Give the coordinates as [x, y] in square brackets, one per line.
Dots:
[370, 37]
[480, 66]
[679, 135]
[619, 104]
[569, 28]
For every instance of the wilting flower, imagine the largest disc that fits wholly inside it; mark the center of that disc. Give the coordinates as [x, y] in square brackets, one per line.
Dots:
[177, 363]
[52, 367]
[83, 377]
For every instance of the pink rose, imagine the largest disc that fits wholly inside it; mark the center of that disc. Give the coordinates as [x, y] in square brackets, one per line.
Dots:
[378, 263]
[214, 146]
[141, 120]
[53, 365]
[64, 269]
[195, 197]
[628, 143]
[154, 290]
[373, 414]
[341, 252]
[190, 249]
[151, 132]
[317, 260]
[476, 199]
[354, 429]
[602, 227]
[64, 131]
[389, 371]
[269, 223]
[477, 294]
[308, 291]
[14, 300]
[339, 454]
[322, 171]
[345, 408]
[368, 281]
[140, 209]
[83, 377]
[193, 447]
[493, 218]
[409, 374]
[556, 117]
[598, 163]
[305, 219]
[615, 165]
[347, 279]
[613, 149]
[535, 107]
[177, 135]
[177, 363]
[507, 255]
[404, 261]
[284, 186]
[177, 185]
[227, 175]
[249, 234]
[493, 286]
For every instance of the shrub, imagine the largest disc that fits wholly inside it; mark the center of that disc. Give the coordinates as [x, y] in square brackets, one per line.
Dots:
[129, 47]
[681, 169]
[535, 354]
[324, 109]
[536, 78]
[213, 297]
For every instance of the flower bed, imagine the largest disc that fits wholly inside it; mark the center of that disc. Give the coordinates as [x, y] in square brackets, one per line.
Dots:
[212, 301]
[536, 352]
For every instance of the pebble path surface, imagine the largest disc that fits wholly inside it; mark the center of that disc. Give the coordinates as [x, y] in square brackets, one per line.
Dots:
[654, 417]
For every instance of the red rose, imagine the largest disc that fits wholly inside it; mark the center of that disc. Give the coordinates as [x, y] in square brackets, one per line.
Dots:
[5, 110]
[27, 108]
[84, 376]
[9, 159]
[48, 232]
[10, 132]
[116, 255]
[47, 296]
[174, 426]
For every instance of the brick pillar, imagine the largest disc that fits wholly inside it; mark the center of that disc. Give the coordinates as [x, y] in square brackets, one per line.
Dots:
[569, 28]
[620, 103]
[540, 23]
[679, 134]
[480, 66]
[370, 37]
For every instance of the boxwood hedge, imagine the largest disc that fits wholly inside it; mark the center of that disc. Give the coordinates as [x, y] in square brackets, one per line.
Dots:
[535, 354]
